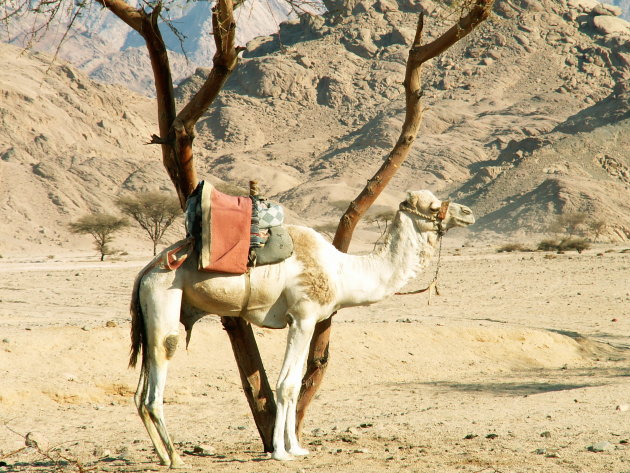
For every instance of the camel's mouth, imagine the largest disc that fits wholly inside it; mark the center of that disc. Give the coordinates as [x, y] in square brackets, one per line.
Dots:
[463, 222]
[462, 215]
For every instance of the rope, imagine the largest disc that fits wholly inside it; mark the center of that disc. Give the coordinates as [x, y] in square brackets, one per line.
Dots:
[433, 283]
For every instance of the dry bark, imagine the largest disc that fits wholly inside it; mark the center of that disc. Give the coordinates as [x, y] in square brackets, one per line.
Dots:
[418, 55]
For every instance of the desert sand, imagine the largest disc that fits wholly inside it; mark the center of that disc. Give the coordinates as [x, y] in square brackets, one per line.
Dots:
[519, 365]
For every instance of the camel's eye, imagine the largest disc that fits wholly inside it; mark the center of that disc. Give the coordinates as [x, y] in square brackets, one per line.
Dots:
[434, 207]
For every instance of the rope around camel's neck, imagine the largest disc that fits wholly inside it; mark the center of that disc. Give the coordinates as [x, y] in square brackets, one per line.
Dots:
[408, 248]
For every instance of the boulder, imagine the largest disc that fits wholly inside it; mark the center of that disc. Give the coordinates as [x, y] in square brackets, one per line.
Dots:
[606, 10]
[333, 92]
[362, 44]
[610, 25]
[401, 35]
[386, 5]
[362, 7]
[275, 77]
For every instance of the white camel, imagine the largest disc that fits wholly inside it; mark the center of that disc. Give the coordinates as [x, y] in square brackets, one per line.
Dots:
[307, 288]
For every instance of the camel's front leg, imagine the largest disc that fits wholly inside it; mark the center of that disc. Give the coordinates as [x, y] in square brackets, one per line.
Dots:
[288, 389]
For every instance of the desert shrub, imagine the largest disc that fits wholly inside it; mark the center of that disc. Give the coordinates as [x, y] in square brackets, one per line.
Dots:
[565, 244]
[549, 245]
[155, 212]
[597, 228]
[571, 223]
[577, 244]
[102, 227]
[511, 247]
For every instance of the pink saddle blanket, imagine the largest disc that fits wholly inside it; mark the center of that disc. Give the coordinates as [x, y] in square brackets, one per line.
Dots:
[225, 231]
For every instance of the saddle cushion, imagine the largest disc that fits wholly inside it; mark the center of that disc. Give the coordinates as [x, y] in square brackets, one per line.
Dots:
[270, 214]
[277, 247]
[225, 228]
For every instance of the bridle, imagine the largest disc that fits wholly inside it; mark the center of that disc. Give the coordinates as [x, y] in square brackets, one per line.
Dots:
[440, 229]
[437, 219]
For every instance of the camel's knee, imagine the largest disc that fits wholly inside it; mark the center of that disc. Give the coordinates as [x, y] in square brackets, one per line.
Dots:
[170, 345]
[154, 409]
[287, 392]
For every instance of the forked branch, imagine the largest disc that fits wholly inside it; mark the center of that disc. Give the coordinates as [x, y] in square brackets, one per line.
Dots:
[418, 55]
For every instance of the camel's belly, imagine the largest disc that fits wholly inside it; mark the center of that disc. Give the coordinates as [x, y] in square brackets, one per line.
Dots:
[258, 297]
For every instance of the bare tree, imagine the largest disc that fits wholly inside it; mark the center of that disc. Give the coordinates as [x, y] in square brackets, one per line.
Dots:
[473, 13]
[569, 224]
[597, 227]
[176, 134]
[102, 227]
[155, 212]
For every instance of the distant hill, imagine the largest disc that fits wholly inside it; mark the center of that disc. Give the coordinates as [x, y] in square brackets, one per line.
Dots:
[109, 51]
[524, 121]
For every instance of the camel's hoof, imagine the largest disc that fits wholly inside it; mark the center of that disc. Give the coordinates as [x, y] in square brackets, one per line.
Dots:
[178, 463]
[282, 456]
[298, 451]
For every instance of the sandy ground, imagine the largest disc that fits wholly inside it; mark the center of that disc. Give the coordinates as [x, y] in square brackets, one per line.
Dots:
[520, 365]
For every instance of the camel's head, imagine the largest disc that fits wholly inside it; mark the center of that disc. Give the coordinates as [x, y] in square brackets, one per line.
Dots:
[442, 214]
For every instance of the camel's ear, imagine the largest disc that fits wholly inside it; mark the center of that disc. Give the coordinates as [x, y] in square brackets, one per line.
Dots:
[412, 199]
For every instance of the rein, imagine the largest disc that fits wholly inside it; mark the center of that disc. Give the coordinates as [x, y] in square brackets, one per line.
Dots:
[438, 219]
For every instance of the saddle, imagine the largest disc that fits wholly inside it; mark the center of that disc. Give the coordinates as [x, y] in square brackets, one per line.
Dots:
[233, 233]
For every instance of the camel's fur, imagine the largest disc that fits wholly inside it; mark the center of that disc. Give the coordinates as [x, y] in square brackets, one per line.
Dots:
[305, 289]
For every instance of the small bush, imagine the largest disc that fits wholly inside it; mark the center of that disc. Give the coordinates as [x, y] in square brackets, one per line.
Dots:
[577, 244]
[549, 245]
[566, 244]
[511, 247]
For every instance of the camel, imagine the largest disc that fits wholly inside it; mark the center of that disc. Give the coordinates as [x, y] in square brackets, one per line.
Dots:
[301, 291]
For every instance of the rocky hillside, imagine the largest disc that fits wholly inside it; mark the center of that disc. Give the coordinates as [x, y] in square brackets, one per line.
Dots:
[68, 145]
[109, 51]
[536, 100]
[526, 119]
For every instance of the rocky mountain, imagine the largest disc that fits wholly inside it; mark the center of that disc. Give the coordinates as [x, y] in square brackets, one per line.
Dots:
[525, 120]
[105, 48]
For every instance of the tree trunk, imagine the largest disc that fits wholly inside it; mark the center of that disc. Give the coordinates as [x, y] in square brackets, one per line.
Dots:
[253, 377]
[418, 55]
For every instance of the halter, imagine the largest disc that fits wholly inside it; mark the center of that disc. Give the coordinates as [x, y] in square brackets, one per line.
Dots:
[438, 221]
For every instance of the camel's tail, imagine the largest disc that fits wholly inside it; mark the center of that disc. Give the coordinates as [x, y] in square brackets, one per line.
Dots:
[171, 258]
[138, 330]
[138, 333]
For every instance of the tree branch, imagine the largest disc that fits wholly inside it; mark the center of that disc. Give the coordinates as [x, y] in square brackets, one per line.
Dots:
[418, 55]
[124, 11]
[224, 62]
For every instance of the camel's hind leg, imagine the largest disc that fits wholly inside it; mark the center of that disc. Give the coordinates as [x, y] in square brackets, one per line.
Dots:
[285, 442]
[161, 305]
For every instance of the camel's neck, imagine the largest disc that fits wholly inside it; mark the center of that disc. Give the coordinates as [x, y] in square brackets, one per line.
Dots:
[368, 279]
